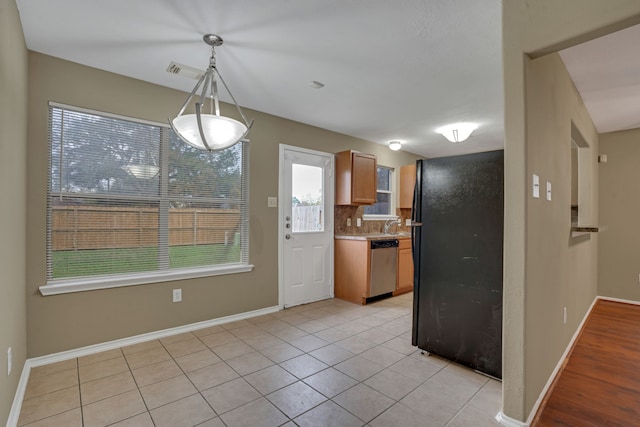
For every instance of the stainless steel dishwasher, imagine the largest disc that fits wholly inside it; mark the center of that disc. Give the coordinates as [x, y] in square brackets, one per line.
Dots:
[384, 256]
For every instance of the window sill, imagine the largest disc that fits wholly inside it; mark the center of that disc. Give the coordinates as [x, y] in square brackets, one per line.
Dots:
[65, 286]
[582, 230]
[369, 217]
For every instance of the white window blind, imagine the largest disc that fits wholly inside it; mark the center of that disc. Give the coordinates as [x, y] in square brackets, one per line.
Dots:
[127, 196]
[384, 187]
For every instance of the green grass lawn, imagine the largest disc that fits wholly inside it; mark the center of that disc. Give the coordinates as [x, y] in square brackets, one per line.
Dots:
[109, 261]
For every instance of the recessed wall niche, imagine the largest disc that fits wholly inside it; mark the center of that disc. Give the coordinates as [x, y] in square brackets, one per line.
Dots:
[581, 179]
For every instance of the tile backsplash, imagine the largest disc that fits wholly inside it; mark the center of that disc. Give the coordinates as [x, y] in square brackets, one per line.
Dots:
[342, 213]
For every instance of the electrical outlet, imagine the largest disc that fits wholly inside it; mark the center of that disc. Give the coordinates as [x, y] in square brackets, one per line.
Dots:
[177, 295]
[272, 202]
[407, 222]
[358, 222]
[9, 362]
[348, 222]
[564, 315]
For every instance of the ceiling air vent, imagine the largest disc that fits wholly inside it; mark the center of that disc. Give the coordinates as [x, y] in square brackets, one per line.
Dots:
[184, 71]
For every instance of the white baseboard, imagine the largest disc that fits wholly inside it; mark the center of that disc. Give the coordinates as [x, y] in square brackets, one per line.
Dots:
[509, 422]
[626, 301]
[553, 375]
[14, 414]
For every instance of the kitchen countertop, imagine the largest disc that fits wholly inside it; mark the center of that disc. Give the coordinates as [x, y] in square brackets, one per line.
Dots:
[373, 236]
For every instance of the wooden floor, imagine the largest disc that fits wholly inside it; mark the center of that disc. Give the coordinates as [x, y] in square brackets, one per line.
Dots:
[600, 383]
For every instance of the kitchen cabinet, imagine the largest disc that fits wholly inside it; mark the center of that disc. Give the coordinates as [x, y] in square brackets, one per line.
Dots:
[404, 281]
[407, 183]
[352, 266]
[355, 178]
[352, 274]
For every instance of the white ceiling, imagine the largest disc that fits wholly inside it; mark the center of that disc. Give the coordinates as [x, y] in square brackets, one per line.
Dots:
[606, 72]
[392, 69]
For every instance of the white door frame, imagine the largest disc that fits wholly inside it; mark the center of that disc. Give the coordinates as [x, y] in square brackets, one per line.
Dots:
[330, 202]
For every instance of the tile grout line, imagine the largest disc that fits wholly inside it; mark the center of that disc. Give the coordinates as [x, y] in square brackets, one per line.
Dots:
[137, 388]
[80, 390]
[466, 404]
[198, 392]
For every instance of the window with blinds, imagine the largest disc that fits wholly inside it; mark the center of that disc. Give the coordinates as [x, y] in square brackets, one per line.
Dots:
[127, 196]
[383, 205]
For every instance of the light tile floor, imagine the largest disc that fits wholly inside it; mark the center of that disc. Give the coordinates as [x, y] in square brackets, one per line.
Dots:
[330, 363]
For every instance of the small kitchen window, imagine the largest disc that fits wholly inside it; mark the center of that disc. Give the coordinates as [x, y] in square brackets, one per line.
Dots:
[383, 208]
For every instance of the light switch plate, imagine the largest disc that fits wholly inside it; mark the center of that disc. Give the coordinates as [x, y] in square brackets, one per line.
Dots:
[548, 191]
[272, 202]
[358, 222]
[348, 222]
[536, 186]
[407, 222]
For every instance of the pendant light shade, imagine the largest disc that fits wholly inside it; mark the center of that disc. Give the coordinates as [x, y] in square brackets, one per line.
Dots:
[142, 171]
[219, 132]
[209, 130]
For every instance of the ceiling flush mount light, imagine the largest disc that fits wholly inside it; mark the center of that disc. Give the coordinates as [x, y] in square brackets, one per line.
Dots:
[395, 145]
[209, 131]
[316, 85]
[457, 132]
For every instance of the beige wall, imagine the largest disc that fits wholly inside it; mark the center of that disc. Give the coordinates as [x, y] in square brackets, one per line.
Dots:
[69, 321]
[619, 246]
[536, 27]
[13, 152]
[561, 271]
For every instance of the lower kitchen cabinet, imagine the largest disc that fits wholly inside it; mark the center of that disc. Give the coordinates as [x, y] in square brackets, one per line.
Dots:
[352, 266]
[352, 269]
[404, 282]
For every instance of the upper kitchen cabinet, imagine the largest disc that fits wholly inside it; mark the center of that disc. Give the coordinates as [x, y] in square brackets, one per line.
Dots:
[407, 183]
[355, 178]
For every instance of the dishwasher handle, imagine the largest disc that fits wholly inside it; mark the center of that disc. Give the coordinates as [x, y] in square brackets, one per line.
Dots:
[382, 244]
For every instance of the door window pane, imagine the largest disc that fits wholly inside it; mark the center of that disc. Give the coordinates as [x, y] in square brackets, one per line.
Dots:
[307, 199]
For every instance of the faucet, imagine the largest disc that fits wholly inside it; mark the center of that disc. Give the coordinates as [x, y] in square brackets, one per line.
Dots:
[388, 223]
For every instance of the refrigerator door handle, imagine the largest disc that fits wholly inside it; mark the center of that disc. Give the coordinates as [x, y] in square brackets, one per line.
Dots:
[416, 209]
[416, 236]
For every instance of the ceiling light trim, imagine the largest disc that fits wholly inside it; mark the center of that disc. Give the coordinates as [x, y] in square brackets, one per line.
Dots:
[457, 132]
[395, 145]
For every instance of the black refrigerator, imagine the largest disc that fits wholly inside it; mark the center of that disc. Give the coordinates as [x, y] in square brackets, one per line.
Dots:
[457, 243]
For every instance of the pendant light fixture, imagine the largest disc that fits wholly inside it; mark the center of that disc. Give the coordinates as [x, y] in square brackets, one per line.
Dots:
[209, 130]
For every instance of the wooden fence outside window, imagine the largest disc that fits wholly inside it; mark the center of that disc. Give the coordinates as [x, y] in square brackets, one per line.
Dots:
[82, 227]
